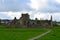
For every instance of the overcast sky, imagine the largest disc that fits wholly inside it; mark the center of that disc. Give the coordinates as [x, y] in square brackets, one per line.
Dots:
[41, 9]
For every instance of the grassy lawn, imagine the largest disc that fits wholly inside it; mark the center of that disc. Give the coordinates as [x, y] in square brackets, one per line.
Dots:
[54, 35]
[20, 33]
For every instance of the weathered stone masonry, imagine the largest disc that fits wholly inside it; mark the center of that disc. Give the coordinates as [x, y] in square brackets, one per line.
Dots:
[26, 22]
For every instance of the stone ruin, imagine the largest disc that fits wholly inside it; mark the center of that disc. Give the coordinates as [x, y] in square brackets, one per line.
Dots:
[26, 22]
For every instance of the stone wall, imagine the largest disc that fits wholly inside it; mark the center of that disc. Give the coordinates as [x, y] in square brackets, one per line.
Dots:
[26, 22]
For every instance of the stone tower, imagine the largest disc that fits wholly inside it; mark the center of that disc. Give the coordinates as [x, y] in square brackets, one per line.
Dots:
[51, 18]
[24, 20]
[51, 22]
[14, 21]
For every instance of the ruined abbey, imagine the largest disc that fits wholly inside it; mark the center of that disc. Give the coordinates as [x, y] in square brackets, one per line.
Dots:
[26, 22]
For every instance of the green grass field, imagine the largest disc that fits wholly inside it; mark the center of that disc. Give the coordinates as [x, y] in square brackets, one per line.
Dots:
[53, 35]
[20, 33]
[27, 33]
